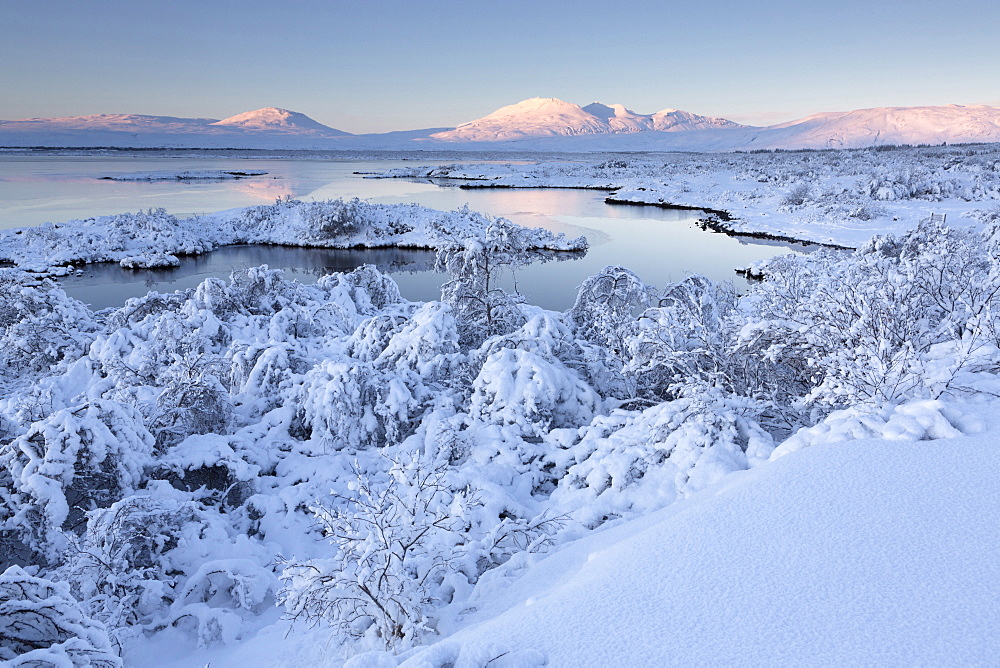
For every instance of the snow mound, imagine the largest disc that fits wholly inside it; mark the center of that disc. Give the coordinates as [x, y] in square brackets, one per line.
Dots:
[849, 554]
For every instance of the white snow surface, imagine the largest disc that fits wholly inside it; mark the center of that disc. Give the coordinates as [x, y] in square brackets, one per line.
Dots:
[859, 553]
[830, 197]
[154, 237]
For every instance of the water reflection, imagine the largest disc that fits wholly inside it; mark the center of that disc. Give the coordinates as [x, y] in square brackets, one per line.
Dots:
[106, 284]
[660, 245]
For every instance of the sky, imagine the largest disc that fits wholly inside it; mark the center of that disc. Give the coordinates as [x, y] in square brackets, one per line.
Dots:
[384, 65]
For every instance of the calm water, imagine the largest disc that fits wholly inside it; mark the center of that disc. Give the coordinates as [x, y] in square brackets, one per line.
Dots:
[659, 245]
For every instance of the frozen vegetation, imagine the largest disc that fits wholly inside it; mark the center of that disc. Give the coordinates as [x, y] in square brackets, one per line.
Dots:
[154, 238]
[263, 472]
[831, 197]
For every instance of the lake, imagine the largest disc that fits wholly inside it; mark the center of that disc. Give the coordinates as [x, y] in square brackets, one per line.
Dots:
[660, 245]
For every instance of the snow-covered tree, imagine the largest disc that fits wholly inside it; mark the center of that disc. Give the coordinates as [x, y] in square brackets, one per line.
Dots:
[476, 264]
[393, 541]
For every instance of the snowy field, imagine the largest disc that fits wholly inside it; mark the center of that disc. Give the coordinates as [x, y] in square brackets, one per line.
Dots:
[830, 197]
[262, 472]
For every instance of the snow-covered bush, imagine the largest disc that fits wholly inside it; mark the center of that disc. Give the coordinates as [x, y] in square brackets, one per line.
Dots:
[687, 340]
[393, 541]
[77, 459]
[193, 401]
[41, 625]
[39, 325]
[608, 305]
[864, 327]
[629, 463]
[476, 265]
[533, 395]
[120, 567]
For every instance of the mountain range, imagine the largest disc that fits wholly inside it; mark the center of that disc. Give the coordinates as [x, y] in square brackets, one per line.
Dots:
[534, 124]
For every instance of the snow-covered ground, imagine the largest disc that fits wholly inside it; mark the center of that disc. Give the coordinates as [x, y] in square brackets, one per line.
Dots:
[864, 552]
[830, 197]
[155, 238]
[262, 472]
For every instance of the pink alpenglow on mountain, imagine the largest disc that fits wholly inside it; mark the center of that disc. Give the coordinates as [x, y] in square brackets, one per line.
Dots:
[953, 123]
[264, 128]
[551, 117]
[272, 119]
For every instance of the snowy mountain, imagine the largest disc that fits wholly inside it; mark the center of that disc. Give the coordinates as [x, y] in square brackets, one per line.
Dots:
[542, 124]
[264, 128]
[271, 119]
[952, 123]
[550, 117]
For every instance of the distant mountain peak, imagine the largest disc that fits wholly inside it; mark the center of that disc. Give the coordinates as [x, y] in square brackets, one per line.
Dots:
[551, 117]
[275, 118]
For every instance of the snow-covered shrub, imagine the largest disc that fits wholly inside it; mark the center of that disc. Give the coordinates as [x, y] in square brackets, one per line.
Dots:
[411, 361]
[550, 336]
[476, 264]
[39, 325]
[796, 197]
[120, 567]
[215, 600]
[260, 374]
[193, 401]
[867, 325]
[370, 289]
[153, 561]
[154, 228]
[608, 305]
[77, 459]
[629, 463]
[335, 404]
[686, 340]
[393, 542]
[534, 395]
[41, 625]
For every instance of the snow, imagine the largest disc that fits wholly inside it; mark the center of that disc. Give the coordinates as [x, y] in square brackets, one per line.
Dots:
[263, 472]
[847, 554]
[832, 197]
[551, 117]
[154, 238]
[274, 119]
[535, 124]
[264, 128]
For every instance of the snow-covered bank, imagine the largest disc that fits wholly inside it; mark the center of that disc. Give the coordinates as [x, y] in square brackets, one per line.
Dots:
[185, 175]
[154, 238]
[830, 197]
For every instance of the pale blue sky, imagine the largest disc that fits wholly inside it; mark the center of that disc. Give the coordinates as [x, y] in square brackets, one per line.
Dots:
[385, 65]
